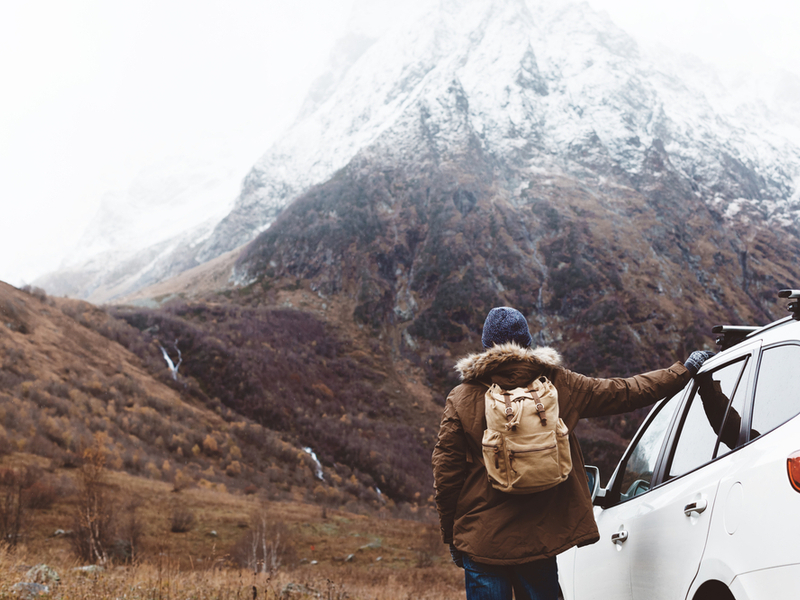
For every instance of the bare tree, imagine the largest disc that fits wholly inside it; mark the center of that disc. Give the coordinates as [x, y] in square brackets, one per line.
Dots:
[13, 485]
[94, 516]
[266, 546]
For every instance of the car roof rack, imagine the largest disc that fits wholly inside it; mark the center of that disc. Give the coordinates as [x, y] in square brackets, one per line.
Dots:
[730, 335]
[794, 304]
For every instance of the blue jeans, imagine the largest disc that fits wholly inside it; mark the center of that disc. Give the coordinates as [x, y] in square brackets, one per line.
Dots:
[536, 580]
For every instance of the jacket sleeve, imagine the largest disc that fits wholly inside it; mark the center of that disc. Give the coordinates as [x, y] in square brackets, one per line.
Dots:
[601, 397]
[449, 467]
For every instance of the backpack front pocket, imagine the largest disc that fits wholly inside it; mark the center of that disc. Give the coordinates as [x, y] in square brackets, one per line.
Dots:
[495, 459]
[533, 461]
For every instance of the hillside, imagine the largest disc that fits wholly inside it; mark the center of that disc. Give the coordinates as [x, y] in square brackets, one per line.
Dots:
[187, 483]
[65, 387]
[326, 388]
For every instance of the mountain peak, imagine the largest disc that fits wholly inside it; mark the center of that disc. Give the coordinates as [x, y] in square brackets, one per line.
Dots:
[533, 87]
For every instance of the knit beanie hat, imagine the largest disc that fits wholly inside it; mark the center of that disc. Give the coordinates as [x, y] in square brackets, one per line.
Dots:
[503, 325]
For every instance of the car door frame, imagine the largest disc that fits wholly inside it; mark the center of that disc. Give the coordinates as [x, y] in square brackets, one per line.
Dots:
[752, 351]
[611, 495]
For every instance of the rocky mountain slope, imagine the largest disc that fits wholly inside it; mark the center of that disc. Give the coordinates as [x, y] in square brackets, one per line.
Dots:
[540, 89]
[536, 88]
[533, 156]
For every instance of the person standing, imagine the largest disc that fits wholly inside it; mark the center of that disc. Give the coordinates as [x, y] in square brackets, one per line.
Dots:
[508, 543]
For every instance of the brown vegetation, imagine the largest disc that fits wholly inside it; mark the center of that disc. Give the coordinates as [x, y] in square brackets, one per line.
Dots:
[290, 372]
[239, 541]
[65, 387]
[109, 460]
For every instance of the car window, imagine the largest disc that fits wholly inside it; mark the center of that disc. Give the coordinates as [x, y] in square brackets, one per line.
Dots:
[638, 474]
[707, 410]
[729, 436]
[777, 396]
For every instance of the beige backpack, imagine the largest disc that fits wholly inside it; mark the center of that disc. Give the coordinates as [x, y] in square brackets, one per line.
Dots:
[526, 444]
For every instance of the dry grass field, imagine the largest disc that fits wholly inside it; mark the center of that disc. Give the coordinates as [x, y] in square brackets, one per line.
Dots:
[153, 581]
[321, 552]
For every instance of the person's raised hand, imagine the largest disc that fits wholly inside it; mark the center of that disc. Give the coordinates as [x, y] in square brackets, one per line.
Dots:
[696, 360]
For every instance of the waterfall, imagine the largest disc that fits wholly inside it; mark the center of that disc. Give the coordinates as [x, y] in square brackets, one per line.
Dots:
[318, 465]
[173, 368]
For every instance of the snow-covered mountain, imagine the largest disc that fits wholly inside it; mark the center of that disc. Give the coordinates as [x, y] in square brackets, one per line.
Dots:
[539, 88]
[137, 234]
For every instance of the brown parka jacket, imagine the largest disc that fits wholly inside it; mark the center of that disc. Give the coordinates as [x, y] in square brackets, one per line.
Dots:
[491, 526]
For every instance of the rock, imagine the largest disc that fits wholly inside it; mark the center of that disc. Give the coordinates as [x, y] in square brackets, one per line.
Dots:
[62, 533]
[89, 569]
[350, 558]
[30, 590]
[42, 574]
[298, 590]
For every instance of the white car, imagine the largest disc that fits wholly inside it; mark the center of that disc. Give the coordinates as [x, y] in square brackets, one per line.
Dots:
[705, 503]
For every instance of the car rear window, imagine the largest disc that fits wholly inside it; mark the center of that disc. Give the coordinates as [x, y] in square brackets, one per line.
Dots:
[777, 396]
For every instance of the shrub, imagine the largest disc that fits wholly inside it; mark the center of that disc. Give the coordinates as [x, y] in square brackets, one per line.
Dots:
[210, 445]
[181, 520]
[181, 481]
[40, 495]
[429, 546]
[127, 545]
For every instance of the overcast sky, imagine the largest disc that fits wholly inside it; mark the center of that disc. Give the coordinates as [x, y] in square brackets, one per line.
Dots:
[94, 91]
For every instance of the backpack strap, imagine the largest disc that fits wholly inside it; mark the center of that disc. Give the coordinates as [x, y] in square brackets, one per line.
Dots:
[539, 405]
[509, 410]
[506, 398]
[511, 425]
[468, 452]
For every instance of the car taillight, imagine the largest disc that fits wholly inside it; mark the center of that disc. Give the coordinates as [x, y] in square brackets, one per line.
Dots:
[793, 467]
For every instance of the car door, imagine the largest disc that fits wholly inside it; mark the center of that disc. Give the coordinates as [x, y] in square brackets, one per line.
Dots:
[659, 501]
[668, 530]
[601, 571]
[753, 530]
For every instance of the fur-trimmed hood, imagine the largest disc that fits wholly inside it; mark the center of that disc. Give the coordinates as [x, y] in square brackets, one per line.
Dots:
[477, 365]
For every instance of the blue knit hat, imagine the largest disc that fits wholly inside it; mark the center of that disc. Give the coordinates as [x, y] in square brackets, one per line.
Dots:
[505, 324]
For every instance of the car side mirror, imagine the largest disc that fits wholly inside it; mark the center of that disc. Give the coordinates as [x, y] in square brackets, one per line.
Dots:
[593, 477]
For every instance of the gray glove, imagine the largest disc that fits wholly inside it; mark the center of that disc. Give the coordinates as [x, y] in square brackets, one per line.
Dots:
[457, 556]
[696, 360]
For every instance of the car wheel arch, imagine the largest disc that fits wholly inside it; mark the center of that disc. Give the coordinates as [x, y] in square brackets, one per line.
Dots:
[713, 590]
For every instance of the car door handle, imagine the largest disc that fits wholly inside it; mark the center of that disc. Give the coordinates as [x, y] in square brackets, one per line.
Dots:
[619, 537]
[695, 507]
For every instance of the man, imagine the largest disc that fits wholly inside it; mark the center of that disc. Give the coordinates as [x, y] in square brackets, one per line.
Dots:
[509, 542]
